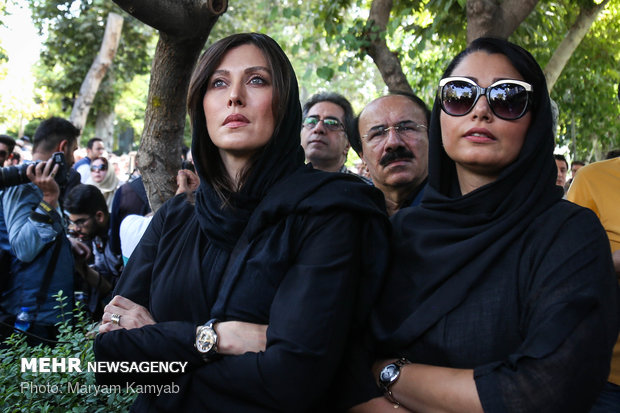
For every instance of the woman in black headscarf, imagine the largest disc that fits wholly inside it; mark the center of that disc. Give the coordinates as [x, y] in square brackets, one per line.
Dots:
[268, 241]
[511, 300]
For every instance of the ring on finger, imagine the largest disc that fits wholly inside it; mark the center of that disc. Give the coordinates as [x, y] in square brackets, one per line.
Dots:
[115, 319]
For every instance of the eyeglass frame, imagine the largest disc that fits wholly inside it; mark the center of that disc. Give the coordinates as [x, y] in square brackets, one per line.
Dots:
[482, 91]
[79, 223]
[397, 128]
[102, 167]
[339, 125]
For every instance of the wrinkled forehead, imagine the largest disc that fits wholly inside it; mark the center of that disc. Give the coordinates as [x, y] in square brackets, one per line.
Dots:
[389, 110]
[325, 109]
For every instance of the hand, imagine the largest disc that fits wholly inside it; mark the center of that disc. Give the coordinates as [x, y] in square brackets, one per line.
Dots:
[187, 181]
[132, 315]
[81, 252]
[42, 175]
[238, 337]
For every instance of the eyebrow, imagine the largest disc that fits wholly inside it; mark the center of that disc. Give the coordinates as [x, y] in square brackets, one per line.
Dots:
[246, 70]
[326, 117]
[382, 126]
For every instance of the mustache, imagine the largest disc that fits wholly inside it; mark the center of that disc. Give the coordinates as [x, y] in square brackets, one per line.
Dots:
[399, 153]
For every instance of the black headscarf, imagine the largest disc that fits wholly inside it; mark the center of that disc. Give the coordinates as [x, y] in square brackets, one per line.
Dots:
[445, 247]
[224, 222]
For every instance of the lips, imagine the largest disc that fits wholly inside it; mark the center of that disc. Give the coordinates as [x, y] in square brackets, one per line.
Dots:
[235, 120]
[479, 135]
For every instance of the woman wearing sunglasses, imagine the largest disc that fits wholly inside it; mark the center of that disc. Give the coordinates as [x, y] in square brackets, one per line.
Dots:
[254, 284]
[501, 295]
[104, 179]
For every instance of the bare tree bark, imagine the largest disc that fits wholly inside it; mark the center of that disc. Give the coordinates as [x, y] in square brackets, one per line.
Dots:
[387, 61]
[496, 18]
[104, 128]
[184, 26]
[97, 71]
[571, 41]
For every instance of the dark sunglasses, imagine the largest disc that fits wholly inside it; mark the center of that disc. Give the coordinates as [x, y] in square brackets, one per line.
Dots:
[101, 167]
[332, 124]
[3, 153]
[79, 223]
[508, 99]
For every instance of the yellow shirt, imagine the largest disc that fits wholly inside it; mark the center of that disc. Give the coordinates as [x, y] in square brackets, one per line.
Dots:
[597, 186]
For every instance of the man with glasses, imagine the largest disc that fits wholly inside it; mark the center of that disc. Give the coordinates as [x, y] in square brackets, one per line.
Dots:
[7, 144]
[327, 121]
[32, 234]
[391, 137]
[90, 222]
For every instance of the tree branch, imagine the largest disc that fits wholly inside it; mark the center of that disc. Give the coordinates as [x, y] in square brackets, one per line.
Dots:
[387, 61]
[571, 41]
[179, 18]
[496, 19]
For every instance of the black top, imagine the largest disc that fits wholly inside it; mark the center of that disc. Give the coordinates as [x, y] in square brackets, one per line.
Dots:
[508, 280]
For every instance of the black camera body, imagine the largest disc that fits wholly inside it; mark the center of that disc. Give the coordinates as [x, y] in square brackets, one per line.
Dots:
[16, 175]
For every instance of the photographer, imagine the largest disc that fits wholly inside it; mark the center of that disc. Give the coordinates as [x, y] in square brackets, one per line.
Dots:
[32, 231]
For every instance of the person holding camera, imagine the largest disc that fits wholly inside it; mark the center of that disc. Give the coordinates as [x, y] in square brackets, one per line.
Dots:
[32, 231]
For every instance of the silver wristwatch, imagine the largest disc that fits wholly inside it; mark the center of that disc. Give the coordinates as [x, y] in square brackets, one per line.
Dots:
[207, 340]
[388, 376]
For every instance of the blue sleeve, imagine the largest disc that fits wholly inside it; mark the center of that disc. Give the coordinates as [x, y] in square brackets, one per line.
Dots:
[28, 236]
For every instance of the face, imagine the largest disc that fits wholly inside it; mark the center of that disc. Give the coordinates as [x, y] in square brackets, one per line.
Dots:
[96, 151]
[395, 159]
[574, 168]
[85, 226]
[325, 147]
[4, 153]
[562, 169]
[238, 104]
[480, 142]
[98, 170]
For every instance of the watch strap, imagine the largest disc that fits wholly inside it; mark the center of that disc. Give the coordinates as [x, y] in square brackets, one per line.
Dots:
[387, 392]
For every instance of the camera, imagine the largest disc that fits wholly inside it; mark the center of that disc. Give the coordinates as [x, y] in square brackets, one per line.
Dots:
[16, 175]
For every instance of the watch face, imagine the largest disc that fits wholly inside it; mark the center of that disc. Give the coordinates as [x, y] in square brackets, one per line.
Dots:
[206, 339]
[389, 373]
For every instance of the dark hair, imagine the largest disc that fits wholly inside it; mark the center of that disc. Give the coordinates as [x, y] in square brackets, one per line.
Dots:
[578, 162]
[561, 158]
[205, 153]
[614, 153]
[51, 132]
[102, 159]
[336, 99]
[85, 199]
[8, 141]
[92, 141]
[355, 138]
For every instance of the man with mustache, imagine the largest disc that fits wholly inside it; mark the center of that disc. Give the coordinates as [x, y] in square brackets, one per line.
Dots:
[391, 137]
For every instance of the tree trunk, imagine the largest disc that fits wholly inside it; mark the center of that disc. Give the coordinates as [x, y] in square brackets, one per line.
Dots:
[387, 61]
[184, 26]
[571, 41]
[496, 18]
[97, 71]
[104, 128]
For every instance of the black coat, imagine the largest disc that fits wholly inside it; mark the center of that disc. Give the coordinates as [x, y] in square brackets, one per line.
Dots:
[309, 271]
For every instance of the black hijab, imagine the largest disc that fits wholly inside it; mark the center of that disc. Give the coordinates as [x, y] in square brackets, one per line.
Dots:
[223, 221]
[444, 248]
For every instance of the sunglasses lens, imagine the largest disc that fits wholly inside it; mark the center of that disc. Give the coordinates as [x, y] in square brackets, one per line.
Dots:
[508, 100]
[458, 97]
[310, 122]
[331, 124]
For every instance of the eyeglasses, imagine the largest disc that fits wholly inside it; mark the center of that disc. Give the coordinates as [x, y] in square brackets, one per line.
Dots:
[508, 99]
[332, 124]
[79, 223]
[404, 130]
[102, 167]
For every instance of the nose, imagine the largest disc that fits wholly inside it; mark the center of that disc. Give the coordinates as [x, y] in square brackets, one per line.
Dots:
[236, 97]
[319, 127]
[481, 108]
[393, 140]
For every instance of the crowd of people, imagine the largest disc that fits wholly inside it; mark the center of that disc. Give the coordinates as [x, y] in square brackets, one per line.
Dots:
[449, 272]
